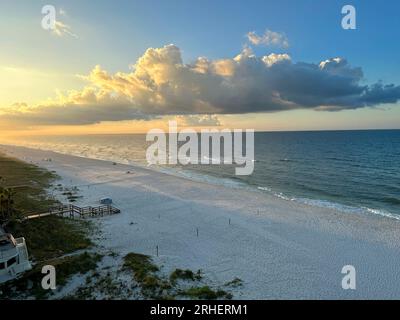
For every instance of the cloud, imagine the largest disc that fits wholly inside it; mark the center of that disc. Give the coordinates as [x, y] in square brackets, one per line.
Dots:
[160, 83]
[194, 120]
[62, 29]
[269, 38]
[76, 108]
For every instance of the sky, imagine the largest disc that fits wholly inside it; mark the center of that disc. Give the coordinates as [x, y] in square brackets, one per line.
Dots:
[129, 66]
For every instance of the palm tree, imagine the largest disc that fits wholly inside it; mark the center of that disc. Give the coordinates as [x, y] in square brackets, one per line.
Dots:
[10, 193]
[6, 203]
[2, 204]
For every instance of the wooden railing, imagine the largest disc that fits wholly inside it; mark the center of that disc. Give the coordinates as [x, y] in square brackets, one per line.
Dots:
[75, 211]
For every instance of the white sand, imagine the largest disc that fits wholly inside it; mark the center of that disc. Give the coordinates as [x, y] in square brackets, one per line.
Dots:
[280, 249]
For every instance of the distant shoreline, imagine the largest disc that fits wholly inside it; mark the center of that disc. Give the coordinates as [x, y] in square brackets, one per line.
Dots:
[257, 131]
[279, 249]
[215, 178]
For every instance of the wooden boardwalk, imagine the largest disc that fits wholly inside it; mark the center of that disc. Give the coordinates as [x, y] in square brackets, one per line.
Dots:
[72, 211]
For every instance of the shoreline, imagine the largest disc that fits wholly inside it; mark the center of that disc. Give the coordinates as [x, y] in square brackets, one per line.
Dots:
[280, 249]
[229, 182]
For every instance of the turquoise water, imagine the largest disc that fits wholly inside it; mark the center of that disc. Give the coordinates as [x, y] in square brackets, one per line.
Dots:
[353, 171]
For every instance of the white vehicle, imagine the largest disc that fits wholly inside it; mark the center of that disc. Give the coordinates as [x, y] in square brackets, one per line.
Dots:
[14, 257]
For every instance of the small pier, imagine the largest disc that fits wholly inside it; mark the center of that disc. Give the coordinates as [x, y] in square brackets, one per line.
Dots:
[72, 211]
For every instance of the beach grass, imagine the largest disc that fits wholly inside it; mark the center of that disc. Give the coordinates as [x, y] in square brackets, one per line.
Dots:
[234, 283]
[156, 287]
[30, 184]
[49, 238]
[30, 283]
[205, 293]
[179, 274]
[144, 272]
[52, 236]
[141, 265]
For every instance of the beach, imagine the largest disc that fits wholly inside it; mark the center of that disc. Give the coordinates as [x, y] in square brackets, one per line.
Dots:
[280, 249]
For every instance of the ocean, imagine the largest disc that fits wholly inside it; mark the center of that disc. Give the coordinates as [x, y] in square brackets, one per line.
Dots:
[351, 171]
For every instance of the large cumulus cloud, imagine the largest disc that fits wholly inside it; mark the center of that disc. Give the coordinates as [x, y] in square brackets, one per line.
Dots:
[160, 83]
